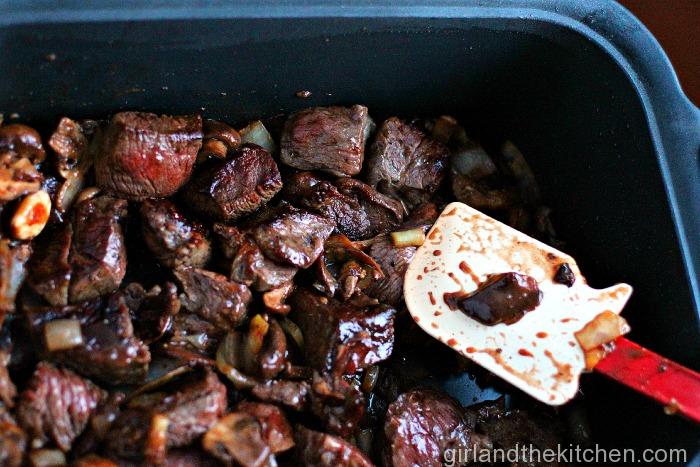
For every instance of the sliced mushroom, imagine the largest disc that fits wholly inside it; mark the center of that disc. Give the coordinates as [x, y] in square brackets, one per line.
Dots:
[24, 141]
[237, 438]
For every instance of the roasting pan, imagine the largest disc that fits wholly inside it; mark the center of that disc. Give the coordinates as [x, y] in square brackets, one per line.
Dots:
[582, 88]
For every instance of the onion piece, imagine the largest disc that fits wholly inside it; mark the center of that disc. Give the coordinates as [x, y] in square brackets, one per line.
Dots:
[369, 381]
[403, 238]
[157, 440]
[47, 458]
[256, 133]
[227, 359]
[62, 334]
[293, 331]
[69, 191]
[604, 328]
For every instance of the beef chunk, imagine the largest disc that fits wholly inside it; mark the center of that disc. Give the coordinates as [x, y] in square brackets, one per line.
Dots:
[338, 404]
[421, 424]
[276, 431]
[13, 257]
[109, 351]
[406, 162]
[228, 189]
[57, 405]
[70, 144]
[292, 236]
[152, 310]
[189, 457]
[193, 337]
[342, 337]
[8, 391]
[394, 262]
[357, 209]
[294, 394]
[331, 139]
[13, 440]
[172, 239]
[147, 156]
[317, 449]
[254, 269]
[49, 269]
[98, 253]
[192, 405]
[213, 297]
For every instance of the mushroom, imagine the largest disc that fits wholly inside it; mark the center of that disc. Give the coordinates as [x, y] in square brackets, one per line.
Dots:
[17, 177]
[218, 139]
[22, 140]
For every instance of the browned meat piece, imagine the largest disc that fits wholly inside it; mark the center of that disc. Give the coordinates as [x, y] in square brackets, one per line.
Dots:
[338, 404]
[292, 236]
[172, 239]
[8, 391]
[23, 141]
[294, 394]
[342, 337]
[331, 139]
[188, 457]
[192, 334]
[237, 439]
[13, 257]
[306, 190]
[229, 238]
[228, 189]
[109, 352]
[13, 440]
[49, 268]
[147, 156]
[357, 209]
[213, 297]
[405, 162]
[254, 269]
[192, 405]
[70, 145]
[152, 310]
[520, 427]
[423, 216]
[57, 405]
[394, 262]
[276, 431]
[98, 253]
[317, 449]
[97, 428]
[421, 424]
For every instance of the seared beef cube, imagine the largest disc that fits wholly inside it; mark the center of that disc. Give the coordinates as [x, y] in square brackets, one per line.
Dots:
[147, 156]
[229, 238]
[293, 236]
[13, 257]
[97, 428]
[276, 431]
[109, 352]
[228, 189]
[213, 297]
[317, 449]
[8, 391]
[254, 269]
[293, 394]
[394, 262]
[191, 407]
[331, 139]
[310, 192]
[49, 268]
[57, 405]
[152, 310]
[357, 209]
[172, 239]
[13, 440]
[341, 336]
[98, 253]
[338, 404]
[421, 424]
[405, 162]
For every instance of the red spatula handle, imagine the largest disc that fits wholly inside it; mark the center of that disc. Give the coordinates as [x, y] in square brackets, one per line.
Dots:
[675, 386]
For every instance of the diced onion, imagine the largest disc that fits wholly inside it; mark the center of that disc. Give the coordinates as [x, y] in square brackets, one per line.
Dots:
[157, 440]
[62, 334]
[604, 328]
[413, 237]
[47, 458]
[593, 356]
[293, 331]
[256, 133]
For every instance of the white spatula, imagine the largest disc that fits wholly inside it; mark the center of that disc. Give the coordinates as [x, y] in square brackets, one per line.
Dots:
[544, 352]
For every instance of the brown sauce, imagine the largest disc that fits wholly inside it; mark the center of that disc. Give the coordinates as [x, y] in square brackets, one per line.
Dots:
[503, 298]
[467, 270]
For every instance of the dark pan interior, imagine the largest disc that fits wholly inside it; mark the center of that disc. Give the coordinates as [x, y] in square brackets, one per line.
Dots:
[563, 100]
